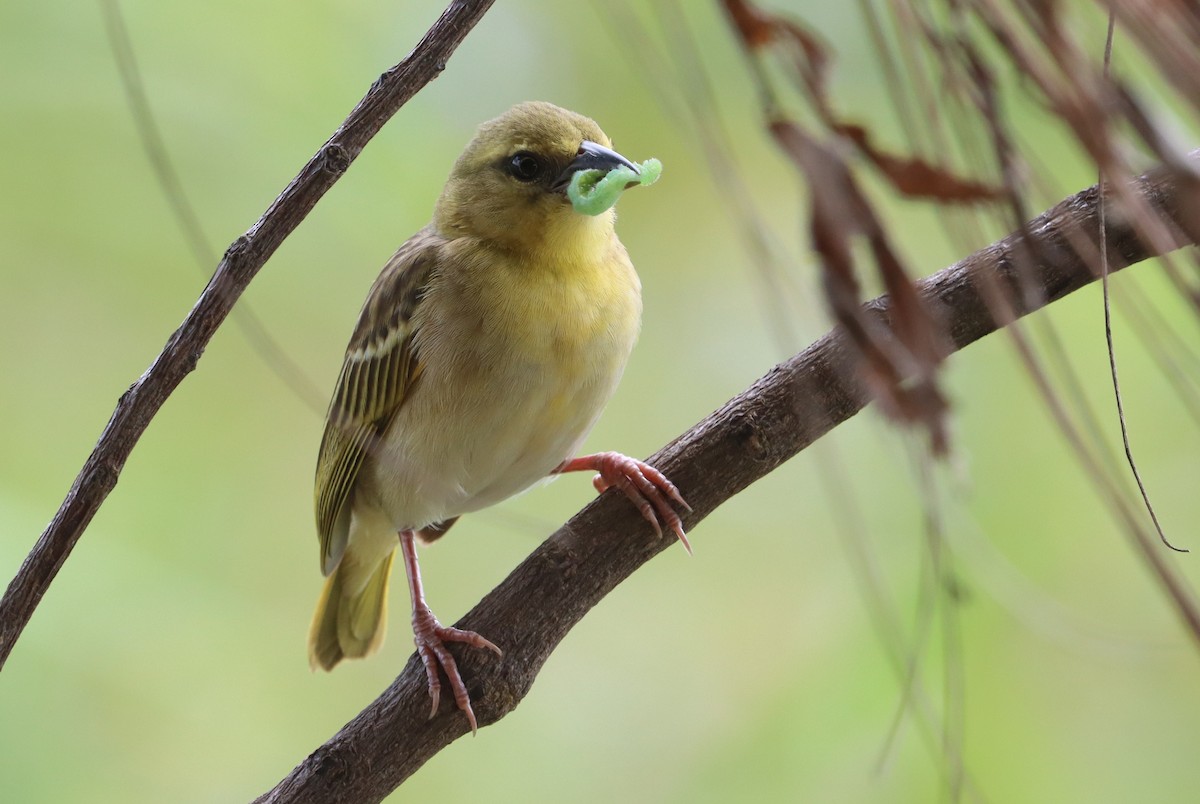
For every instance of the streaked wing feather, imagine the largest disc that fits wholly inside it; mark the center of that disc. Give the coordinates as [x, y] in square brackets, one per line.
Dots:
[341, 456]
[378, 372]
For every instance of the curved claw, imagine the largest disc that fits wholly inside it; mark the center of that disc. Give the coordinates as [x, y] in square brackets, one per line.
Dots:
[646, 487]
[431, 637]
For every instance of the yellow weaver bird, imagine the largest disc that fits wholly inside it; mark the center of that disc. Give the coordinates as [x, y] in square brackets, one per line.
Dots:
[483, 355]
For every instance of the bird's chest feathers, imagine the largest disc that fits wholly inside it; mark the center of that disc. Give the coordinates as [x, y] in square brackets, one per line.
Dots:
[561, 322]
[529, 358]
[575, 322]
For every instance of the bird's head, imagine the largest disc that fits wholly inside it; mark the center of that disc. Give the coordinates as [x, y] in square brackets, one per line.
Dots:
[510, 184]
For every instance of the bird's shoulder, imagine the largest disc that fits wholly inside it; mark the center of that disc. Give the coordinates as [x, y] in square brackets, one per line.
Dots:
[387, 314]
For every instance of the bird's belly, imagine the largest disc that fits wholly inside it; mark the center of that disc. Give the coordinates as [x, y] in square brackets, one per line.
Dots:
[484, 448]
[525, 449]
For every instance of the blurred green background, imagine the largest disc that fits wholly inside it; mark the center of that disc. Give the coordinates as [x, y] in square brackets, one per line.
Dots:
[167, 662]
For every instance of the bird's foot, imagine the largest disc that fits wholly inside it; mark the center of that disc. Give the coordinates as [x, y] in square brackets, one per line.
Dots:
[646, 487]
[431, 638]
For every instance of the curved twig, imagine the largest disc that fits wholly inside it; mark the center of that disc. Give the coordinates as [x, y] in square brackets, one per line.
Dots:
[782, 413]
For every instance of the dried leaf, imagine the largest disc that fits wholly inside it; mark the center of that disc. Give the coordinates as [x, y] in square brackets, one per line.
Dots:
[910, 175]
[756, 28]
[916, 178]
[899, 366]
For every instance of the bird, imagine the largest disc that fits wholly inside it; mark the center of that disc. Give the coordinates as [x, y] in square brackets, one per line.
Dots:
[483, 355]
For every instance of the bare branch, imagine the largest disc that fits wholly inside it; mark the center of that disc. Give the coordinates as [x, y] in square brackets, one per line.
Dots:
[782, 413]
[241, 263]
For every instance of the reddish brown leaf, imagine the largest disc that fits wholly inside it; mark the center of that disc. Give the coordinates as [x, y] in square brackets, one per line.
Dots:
[915, 177]
[756, 28]
[898, 366]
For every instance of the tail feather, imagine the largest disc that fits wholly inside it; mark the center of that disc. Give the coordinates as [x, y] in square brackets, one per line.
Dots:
[349, 624]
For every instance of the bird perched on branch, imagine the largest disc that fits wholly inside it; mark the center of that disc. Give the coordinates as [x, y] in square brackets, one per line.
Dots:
[483, 355]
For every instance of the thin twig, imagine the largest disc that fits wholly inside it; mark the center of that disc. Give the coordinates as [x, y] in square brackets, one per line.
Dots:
[241, 263]
[1108, 333]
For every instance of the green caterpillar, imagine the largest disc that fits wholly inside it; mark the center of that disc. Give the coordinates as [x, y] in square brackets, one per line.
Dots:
[594, 191]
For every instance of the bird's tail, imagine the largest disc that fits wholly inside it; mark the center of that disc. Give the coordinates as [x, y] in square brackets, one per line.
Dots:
[351, 616]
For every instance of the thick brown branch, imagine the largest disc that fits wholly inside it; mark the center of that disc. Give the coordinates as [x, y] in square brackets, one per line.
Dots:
[240, 264]
[786, 410]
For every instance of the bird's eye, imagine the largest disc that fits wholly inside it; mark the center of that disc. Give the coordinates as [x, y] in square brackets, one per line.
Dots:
[524, 167]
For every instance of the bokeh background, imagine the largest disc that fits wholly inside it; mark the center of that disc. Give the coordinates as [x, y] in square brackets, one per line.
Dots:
[167, 661]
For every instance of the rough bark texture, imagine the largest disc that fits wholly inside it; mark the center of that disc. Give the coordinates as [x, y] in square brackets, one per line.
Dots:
[240, 264]
[782, 413]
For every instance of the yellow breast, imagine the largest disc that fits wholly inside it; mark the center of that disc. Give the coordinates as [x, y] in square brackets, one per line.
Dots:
[518, 362]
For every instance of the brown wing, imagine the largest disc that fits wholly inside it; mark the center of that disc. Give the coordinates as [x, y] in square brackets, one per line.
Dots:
[378, 372]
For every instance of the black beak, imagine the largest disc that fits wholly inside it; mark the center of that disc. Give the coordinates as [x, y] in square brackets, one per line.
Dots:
[592, 156]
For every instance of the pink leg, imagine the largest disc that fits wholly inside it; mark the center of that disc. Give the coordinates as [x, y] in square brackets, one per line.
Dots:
[645, 486]
[431, 636]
